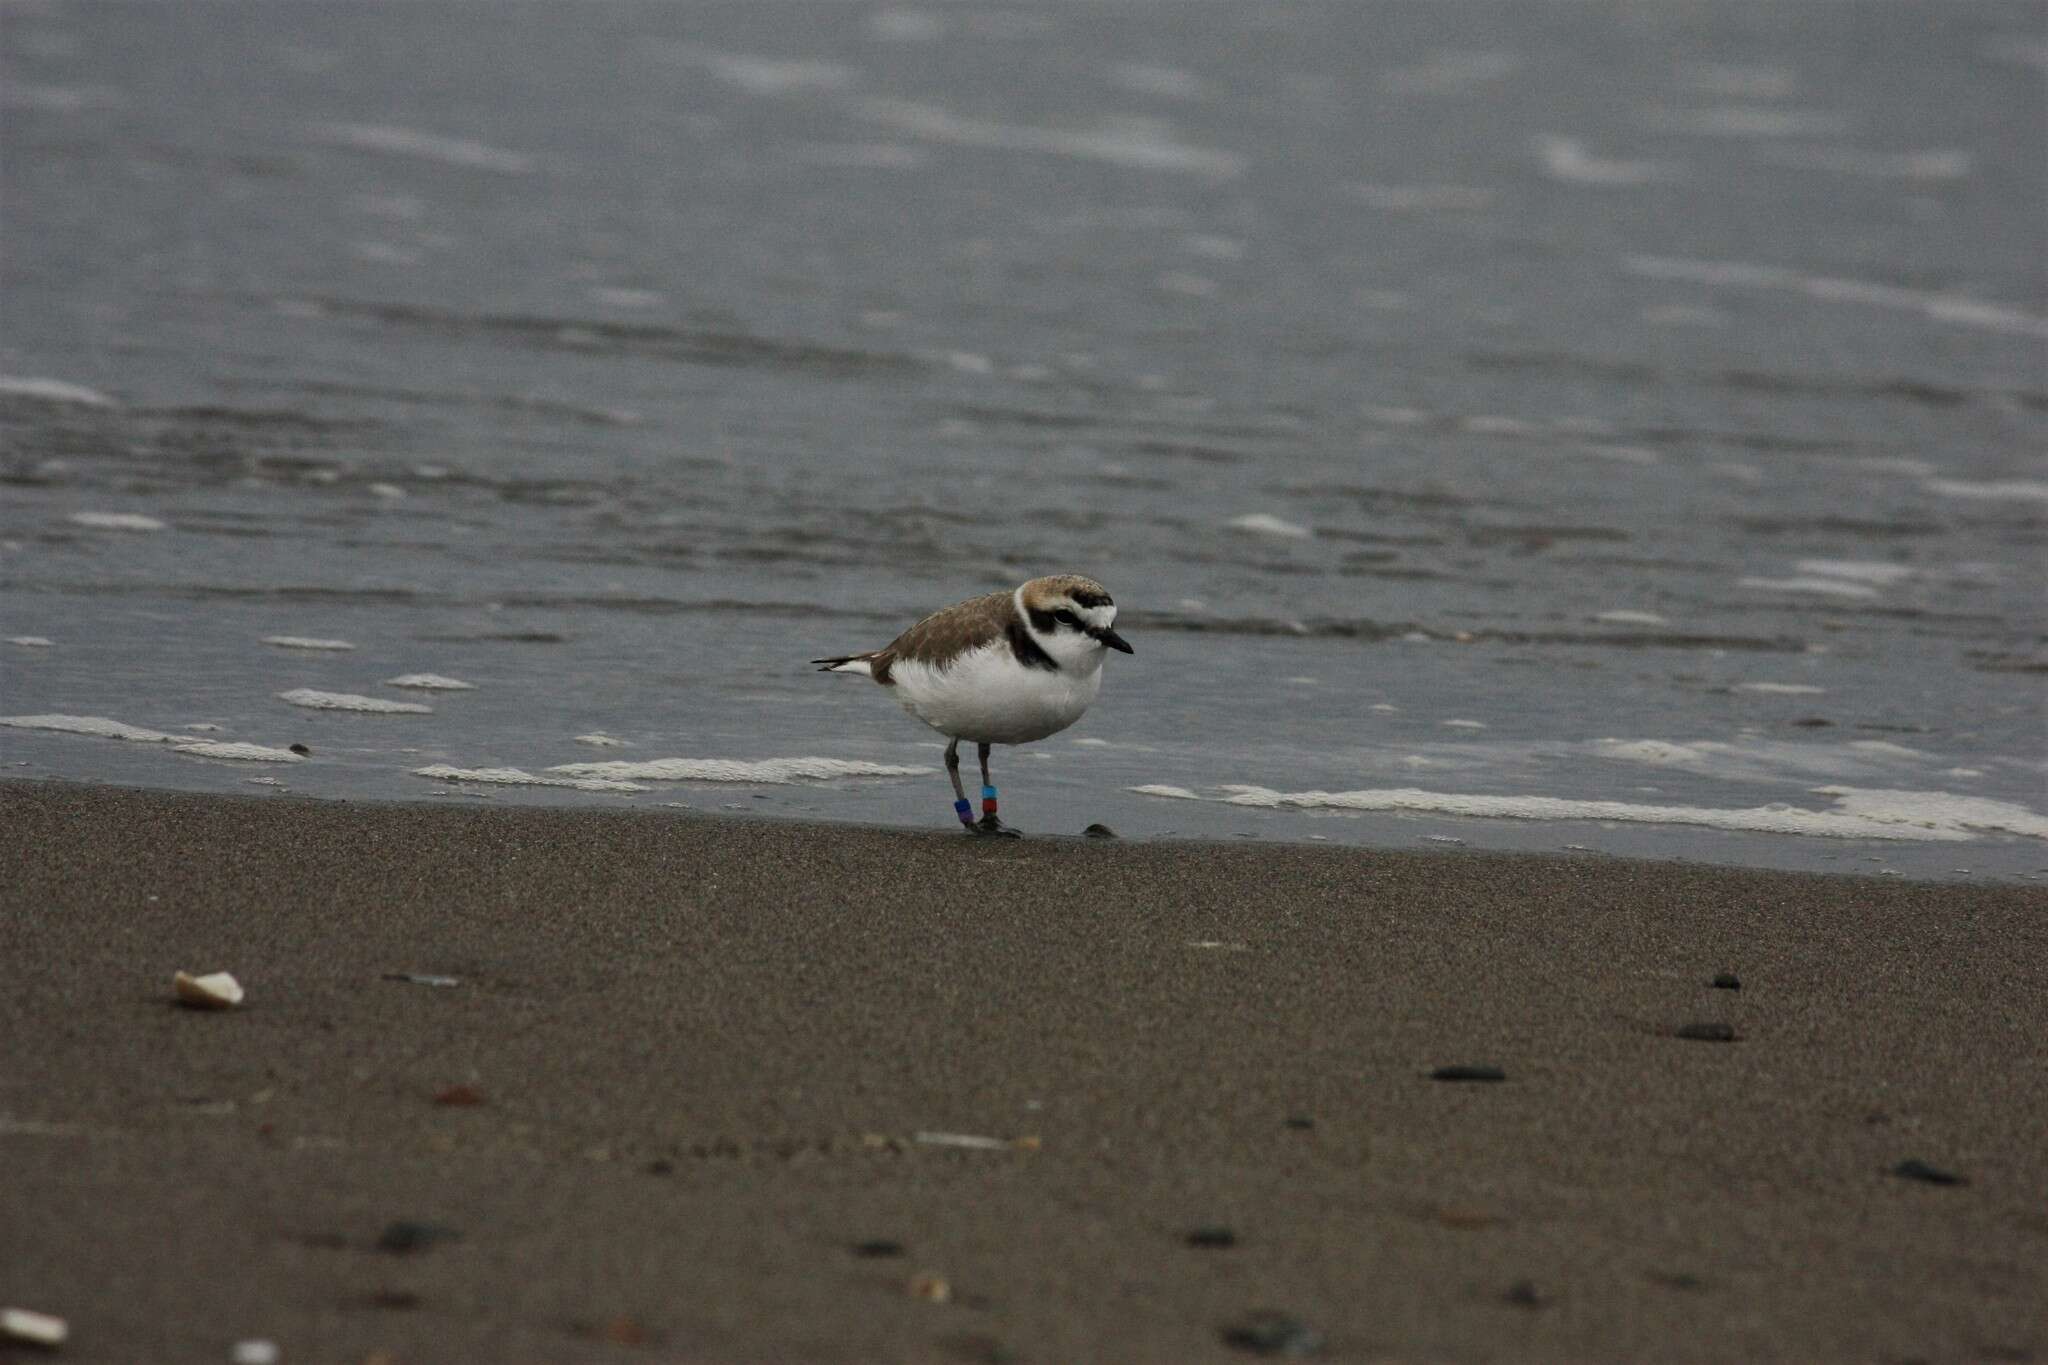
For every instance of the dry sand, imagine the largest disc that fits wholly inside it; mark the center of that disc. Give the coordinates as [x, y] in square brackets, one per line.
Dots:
[702, 1050]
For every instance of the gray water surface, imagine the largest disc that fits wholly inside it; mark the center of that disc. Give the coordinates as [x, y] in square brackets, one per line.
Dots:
[1474, 407]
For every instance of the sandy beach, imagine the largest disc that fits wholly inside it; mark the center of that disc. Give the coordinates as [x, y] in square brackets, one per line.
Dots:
[537, 1085]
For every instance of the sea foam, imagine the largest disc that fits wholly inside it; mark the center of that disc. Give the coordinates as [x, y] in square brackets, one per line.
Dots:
[519, 777]
[103, 728]
[349, 701]
[1857, 814]
[738, 770]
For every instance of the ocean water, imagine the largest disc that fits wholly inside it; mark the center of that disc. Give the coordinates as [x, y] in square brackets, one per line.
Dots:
[1610, 427]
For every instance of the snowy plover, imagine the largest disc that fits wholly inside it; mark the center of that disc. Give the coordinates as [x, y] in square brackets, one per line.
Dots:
[1007, 668]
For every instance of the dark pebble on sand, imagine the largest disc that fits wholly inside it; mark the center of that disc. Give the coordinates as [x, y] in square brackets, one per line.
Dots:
[879, 1246]
[301, 749]
[393, 1300]
[1468, 1073]
[1212, 1236]
[661, 1165]
[405, 1236]
[1706, 1033]
[1273, 1334]
[1300, 1121]
[1913, 1168]
[1522, 1294]
[1099, 832]
[1813, 723]
[1727, 981]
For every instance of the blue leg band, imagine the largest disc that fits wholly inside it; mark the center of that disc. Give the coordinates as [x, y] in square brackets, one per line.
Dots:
[988, 793]
[965, 811]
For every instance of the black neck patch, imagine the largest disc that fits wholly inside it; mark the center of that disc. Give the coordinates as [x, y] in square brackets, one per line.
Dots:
[1028, 651]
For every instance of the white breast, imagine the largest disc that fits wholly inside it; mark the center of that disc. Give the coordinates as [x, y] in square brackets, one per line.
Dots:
[986, 696]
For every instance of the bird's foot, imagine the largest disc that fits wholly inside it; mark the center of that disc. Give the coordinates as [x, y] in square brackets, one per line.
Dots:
[988, 824]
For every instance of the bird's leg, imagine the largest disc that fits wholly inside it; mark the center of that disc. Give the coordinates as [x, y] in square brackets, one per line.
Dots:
[989, 823]
[960, 805]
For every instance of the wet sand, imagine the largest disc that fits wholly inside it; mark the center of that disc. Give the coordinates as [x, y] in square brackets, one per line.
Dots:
[697, 1055]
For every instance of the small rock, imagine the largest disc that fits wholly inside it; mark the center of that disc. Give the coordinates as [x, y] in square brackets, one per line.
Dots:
[394, 1300]
[1099, 832]
[1727, 981]
[33, 1328]
[1813, 723]
[1706, 1033]
[460, 1097]
[1913, 1168]
[1522, 1294]
[423, 979]
[1299, 1121]
[254, 1351]
[1266, 1333]
[301, 749]
[404, 1236]
[214, 991]
[1468, 1073]
[878, 1246]
[931, 1288]
[661, 1165]
[622, 1331]
[1214, 1235]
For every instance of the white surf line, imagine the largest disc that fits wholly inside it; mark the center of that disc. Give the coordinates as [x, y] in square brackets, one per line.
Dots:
[519, 777]
[1859, 813]
[1951, 308]
[395, 141]
[102, 728]
[349, 701]
[774, 770]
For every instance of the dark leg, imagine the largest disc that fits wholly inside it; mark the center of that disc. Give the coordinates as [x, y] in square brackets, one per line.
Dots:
[989, 823]
[960, 805]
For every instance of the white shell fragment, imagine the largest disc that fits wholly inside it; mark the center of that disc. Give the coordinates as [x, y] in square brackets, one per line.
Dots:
[38, 1329]
[254, 1351]
[215, 991]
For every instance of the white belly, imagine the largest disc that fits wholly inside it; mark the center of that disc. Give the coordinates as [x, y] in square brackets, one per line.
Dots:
[988, 697]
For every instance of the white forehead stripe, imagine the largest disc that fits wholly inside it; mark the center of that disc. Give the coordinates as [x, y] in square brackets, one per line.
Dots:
[1100, 617]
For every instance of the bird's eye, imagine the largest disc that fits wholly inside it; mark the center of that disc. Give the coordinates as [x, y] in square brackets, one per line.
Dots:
[1066, 618]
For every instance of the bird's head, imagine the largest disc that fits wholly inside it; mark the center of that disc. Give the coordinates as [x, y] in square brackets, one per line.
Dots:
[1073, 618]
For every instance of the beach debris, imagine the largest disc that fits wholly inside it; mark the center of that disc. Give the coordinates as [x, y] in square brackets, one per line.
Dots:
[404, 1236]
[1301, 1121]
[423, 979]
[1213, 1235]
[661, 1165]
[1098, 831]
[1468, 1073]
[1522, 1294]
[1711, 1032]
[302, 750]
[1913, 1168]
[459, 1096]
[214, 991]
[929, 1287]
[1269, 1333]
[878, 1247]
[254, 1351]
[972, 1141]
[32, 1328]
[1727, 981]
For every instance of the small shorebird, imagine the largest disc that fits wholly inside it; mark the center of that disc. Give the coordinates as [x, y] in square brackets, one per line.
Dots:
[1007, 668]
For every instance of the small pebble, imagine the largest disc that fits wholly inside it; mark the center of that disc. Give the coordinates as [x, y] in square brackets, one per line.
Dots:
[33, 1328]
[1099, 832]
[1706, 1033]
[460, 1097]
[1266, 1333]
[879, 1246]
[1468, 1073]
[254, 1351]
[404, 1236]
[1913, 1168]
[661, 1165]
[1300, 1121]
[1215, 1235]
[214, 991]
[1727, 981]
[1522, 1294]
[301, 749]
[930, 1288]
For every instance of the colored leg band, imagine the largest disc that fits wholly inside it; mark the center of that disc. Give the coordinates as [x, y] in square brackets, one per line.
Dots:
[965, 811]
[988, 800]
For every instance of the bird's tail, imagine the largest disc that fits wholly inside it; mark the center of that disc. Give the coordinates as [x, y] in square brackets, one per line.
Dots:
[847, 663]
